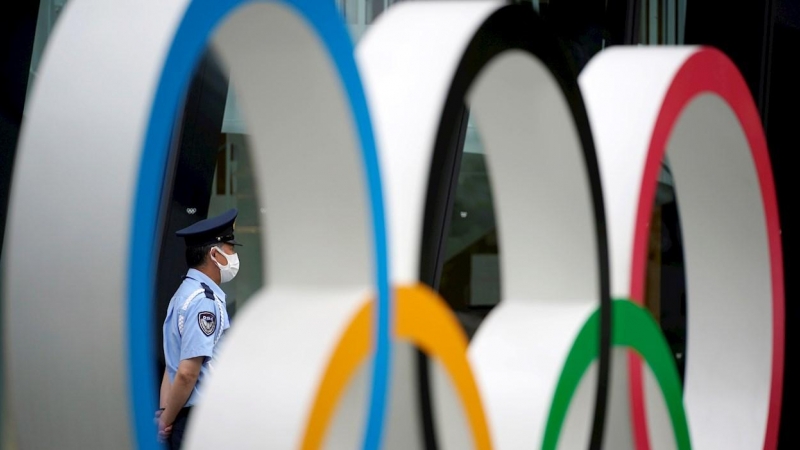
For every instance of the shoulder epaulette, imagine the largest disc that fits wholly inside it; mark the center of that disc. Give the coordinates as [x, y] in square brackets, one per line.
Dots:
[209, 293]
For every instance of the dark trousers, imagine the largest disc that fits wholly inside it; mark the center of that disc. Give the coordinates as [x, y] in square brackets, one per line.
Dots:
[178, 428]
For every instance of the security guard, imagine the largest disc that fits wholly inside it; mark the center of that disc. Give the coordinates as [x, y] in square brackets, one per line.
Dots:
[196, 320]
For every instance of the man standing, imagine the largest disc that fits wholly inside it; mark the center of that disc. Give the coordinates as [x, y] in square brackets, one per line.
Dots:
[196, 320]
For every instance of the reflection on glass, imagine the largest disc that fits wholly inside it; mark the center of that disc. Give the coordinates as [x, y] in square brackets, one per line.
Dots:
[665, 295]
[470, 279]
[359, 14]
[49, 11]
[661, 21]
[234, 187]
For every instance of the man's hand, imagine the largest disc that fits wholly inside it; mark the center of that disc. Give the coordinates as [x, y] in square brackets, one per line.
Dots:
[179, 392]
[164, 430]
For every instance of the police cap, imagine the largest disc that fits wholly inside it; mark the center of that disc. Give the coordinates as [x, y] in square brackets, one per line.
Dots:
[214, 230]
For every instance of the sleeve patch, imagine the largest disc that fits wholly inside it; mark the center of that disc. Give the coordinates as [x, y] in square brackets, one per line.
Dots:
[207, 322]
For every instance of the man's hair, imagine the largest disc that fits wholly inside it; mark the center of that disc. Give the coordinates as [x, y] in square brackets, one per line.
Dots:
[197, 254]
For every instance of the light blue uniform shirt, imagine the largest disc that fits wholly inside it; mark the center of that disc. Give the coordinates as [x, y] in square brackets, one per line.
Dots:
[194, 327]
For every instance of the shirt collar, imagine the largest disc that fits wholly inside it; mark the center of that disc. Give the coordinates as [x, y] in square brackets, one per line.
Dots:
[203, 278]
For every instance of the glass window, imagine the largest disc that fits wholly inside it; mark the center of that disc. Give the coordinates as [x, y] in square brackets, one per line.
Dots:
[359, 14]
[49, 11]
[234, 187]
[663, 22]
[665, 288]
[470, 280]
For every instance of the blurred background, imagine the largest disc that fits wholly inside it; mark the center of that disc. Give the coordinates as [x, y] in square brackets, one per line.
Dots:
[211, 172]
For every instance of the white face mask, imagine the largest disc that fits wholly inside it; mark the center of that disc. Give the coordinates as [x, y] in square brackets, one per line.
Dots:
[229, 270]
